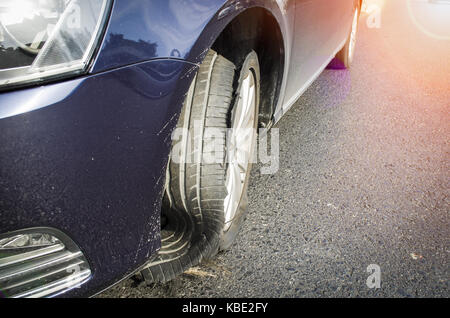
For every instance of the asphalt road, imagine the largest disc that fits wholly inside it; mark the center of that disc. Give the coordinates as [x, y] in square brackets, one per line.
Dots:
[364, 179]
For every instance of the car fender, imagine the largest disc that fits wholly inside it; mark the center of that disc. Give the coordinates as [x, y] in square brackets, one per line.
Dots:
[143, 30]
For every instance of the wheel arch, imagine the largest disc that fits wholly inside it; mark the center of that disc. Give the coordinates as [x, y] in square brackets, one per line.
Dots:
[265, 31]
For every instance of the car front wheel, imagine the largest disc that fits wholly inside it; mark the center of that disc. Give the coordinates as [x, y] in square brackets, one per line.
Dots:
[208, 173]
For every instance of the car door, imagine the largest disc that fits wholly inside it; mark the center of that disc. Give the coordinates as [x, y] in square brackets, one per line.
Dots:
[321, 28]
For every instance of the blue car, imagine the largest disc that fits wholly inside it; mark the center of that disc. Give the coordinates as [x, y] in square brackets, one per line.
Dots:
[105, 112]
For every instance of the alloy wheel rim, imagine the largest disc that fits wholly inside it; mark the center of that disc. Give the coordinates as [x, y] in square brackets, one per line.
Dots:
[239, 148]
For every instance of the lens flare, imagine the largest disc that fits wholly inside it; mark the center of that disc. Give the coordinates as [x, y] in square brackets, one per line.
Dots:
[431, 17]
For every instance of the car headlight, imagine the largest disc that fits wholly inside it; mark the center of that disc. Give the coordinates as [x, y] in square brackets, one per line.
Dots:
[42, 39]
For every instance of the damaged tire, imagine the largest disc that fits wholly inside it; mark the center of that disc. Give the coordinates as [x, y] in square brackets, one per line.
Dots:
[206, 189]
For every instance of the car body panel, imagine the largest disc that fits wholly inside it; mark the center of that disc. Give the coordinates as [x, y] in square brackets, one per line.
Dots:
[190, 27]
[319, 35]
[88, 156]
[179, 29]
[92, 164]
